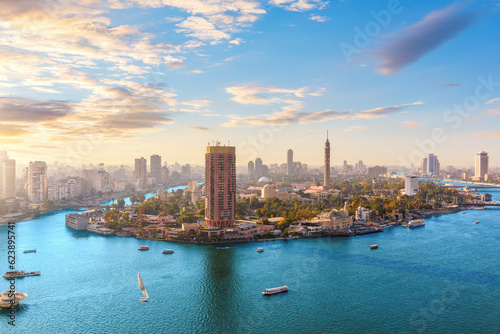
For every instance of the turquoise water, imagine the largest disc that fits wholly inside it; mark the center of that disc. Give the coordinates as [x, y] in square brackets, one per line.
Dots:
[441, 278]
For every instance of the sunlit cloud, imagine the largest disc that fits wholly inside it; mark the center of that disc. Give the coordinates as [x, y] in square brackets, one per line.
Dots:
[300, 5]
[493, 100]
[411, 125]
[487, 134]
[355, 128]
[318, 18]
[201, 128]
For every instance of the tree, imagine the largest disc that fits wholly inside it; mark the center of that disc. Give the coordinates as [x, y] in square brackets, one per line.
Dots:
[120, 203]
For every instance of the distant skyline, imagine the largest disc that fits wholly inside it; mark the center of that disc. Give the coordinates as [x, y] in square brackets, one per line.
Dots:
[110, 81]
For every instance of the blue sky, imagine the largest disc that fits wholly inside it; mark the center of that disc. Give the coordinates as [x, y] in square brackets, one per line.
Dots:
[109, 81]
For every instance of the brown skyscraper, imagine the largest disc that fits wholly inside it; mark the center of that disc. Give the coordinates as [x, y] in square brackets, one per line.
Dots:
[326, 183]
[220, 186]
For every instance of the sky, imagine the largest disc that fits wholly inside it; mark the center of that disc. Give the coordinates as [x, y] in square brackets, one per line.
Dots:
[96, 81]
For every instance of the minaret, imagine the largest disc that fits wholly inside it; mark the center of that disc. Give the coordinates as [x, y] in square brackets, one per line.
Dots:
[326, 183]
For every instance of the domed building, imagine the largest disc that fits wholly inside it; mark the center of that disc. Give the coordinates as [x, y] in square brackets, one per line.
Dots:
[263, 180]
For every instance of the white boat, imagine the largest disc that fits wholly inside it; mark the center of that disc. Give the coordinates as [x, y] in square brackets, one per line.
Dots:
[167, 251]
[416, 223]
[274, 291]
[143, 289]
[9, 298]
[260, 250]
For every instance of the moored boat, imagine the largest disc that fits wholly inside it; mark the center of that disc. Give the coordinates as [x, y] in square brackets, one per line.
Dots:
[167, 251]
[260, 250]
[30, 251]
[143, 248]
[274, 291]
[374, 246]
[20, 273]
[9, 298]
[416, 223]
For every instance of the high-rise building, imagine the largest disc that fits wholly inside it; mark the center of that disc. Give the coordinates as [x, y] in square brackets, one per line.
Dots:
[141, 168]
[220, 186]
[186, 171]
[424, 166]
[7, 176]
[289, 162]
[411, 185]
[326, 183]
[431, 165]
[481, 165]
[155, 162]
[251, 169]
[376, 171]
[36, 185]
[258, 168]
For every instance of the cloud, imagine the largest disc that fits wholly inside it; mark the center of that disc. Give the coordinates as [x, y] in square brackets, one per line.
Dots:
[267, 95]
[201, 28]
[202, 128]
[412, 43]
[299, 5]
[11, 130]
[452, 85]
[494, 112]
[381, 112]
[318, 18]
[195, 72]
[14, 109]
[355, 128]
[411, 125]
[286, 117]
[493, 100]
[487, 134]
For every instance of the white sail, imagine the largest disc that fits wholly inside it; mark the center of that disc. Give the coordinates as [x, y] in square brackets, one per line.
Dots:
[142, 287]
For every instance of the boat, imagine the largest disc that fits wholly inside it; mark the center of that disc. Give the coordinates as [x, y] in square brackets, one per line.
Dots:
[274, 291]
[143, 248]
[9, 298]
[260, 250]
[416, 223]
[143, 289]
[463, 212]
[30, 251]
[167, 251]
[374, 246]
[477, 221]
[223, 247]
[20, 273]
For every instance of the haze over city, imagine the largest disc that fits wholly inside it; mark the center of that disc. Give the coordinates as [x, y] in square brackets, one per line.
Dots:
[109, 81]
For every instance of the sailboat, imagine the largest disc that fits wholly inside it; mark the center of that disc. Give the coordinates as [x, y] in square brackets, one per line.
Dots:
[143, 289]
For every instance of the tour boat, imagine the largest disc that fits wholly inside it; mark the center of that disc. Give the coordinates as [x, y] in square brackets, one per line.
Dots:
[168, 251]
[374, 246]
[143, 248]
[9, 298]
[260, 250]
[477, 221]
[274, 291]
[143, 289]
[20, 273]
[30, 251]
[416, 223]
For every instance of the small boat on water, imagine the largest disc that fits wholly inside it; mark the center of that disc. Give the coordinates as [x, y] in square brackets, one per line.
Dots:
[374, 246]
[223, 247]
[20, 273]
[416, 223]
[30, 251]
[9, 298]
[260, 250]
[274, 291]
[463, 212]
[143, 248]
[477, 221]
[143, 289]
[167, 251]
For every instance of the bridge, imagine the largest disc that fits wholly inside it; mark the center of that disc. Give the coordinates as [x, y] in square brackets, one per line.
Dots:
[474, 188]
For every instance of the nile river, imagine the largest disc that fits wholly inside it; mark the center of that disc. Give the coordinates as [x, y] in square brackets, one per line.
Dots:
[440, 278]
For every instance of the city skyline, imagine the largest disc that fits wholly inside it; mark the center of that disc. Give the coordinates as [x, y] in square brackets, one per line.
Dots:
[269, 76]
